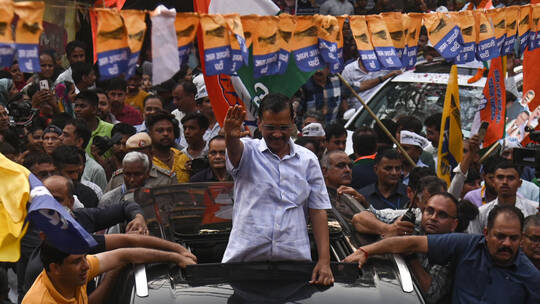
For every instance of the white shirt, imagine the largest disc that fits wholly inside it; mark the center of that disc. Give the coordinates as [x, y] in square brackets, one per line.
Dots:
[64, 76]
[526, 206]
[211, 133]
[181, 142]
[355, 76]
[272, 197]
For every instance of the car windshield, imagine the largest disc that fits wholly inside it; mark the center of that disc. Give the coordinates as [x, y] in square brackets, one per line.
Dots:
[419, 100]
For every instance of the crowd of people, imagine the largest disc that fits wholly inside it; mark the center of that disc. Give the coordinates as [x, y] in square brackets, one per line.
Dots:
[91, 141]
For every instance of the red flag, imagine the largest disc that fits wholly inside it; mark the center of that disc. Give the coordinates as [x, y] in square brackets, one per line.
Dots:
[494, 111]
[219, 87]
[531, 78]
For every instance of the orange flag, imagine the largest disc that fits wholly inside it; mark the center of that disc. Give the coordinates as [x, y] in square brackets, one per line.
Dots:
[531, 78]
[495, 108]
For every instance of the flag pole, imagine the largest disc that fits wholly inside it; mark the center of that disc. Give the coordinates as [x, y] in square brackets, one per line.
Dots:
[489, 151]
[379, 122]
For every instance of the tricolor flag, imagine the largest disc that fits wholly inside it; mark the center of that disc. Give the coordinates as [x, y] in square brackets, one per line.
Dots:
[451, 140]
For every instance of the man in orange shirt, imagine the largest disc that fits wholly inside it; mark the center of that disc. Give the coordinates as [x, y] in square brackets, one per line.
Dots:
[65, 275]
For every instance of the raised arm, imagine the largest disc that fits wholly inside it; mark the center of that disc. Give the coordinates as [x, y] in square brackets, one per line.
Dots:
[119, 257]
[233, 132]
[398, 244]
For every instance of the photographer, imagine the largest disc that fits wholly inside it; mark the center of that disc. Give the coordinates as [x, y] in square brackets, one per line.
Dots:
[117, 145]
[39, 87]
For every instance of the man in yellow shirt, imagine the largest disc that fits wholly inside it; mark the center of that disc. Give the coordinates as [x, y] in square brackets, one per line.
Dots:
[135, 96]
[163, 129]
[65, 275]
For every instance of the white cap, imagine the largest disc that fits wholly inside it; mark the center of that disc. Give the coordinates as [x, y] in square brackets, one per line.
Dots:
[198, 81]
[411, 138]
[314, 129]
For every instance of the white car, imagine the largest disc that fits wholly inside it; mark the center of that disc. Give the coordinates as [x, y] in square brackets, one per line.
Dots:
[420, 92]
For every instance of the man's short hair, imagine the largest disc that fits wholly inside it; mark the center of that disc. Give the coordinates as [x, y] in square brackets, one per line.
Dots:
[217, 137]
[89, 97]
[508, 165]
[60, 120]
[81, 130]
[69, 184]
[117, 83]
[188, 86]
[388, 154]
[466, 213]
[152, 96]
[6, 148]
[135, 156]
[507, 209]
[433, 121]
[531, 221]
[325, 160]
[34, 158]
[66, 155]
[70, 47]
[303, 141]
[50, 254]
[275, 103]
[80, 69]
[364, 141]
[335, 130]
[151, 120]
[410, 123]
[418, 173]
[381, 135]
[317, 115]
[491, 163]
[124, 129]
[432, 184]
[202, 121]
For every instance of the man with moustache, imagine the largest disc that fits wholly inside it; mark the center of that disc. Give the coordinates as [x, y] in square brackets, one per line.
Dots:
[216, 160]
[489, 268]
[337, 173]
[277, 185]
[439, 216]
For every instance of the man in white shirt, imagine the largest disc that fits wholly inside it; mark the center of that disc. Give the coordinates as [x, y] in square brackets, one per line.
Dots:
[278, 187]
[507, 181]
[364, 82]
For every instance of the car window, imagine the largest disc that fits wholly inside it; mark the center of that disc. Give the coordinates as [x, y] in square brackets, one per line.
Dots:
[420, 100]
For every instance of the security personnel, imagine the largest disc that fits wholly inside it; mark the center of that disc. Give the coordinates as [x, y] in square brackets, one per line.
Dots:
[141, 142]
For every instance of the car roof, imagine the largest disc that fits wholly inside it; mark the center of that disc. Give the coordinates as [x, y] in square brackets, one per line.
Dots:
[438, 72]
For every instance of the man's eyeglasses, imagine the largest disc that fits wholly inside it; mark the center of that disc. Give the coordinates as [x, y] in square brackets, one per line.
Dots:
[282, 128]
[533, 238]
[441, 214]
[342, 165]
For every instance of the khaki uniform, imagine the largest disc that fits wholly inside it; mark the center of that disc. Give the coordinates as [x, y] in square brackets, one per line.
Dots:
[157, 177]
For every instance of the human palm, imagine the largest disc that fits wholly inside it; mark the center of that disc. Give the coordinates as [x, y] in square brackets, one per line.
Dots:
[233, 122]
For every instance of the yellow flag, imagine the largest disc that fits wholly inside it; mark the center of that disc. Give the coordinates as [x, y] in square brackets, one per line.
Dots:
[14, 194]
[451, 139]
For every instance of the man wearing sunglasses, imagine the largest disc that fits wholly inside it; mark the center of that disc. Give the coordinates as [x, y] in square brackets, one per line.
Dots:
[277, 186]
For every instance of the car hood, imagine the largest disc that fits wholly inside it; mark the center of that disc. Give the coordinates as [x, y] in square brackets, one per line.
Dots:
[274, 282]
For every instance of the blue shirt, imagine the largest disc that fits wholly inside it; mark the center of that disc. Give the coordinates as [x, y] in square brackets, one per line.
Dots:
[477, 278]
[271, 200]
[396, 200]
